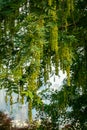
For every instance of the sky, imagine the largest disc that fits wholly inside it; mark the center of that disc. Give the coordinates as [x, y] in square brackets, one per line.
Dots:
[20, 111]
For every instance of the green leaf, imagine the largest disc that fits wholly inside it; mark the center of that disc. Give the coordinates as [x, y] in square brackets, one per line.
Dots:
[28, 94]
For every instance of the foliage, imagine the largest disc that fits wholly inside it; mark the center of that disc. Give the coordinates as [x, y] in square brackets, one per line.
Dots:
[36, 36]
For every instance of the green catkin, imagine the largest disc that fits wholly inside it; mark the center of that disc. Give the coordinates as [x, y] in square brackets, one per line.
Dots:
[11, 100]
[66, 59]
[37, 43]
[22, 100]
[66, 24]
[53, 28]
[6, 98]
[68, 6]
[30, 111]
[50, 2]
[69, 9]
[54, 38]
[56, 64]
[66, 53]
[68, 75]
[18, 98]
[11, 103]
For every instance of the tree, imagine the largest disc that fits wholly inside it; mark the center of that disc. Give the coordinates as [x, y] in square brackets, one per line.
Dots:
[73, 97]
[43, 34]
